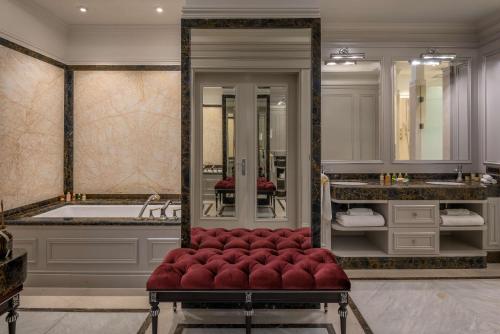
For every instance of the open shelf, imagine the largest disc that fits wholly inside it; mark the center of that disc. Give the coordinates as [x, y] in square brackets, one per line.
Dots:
[338, 227]
[355, 246]
[450, 246]
[462, 228]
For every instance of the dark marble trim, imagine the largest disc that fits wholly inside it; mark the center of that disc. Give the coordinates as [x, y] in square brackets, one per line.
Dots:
[180, 327]
[31, 53]
[139, 197]
[124, 67]
[361, 320]
[295, 23]
[29, 207]
[431, 262]
[493, 257]
[68, 130]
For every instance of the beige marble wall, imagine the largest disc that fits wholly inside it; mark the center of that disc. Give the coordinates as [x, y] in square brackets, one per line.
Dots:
[31, 129]
[127, 132]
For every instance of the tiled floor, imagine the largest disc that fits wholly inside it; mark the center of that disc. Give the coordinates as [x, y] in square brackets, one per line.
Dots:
[77, 322]
[430, 306]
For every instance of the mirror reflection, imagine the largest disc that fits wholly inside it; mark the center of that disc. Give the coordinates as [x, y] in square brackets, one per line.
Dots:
[350, 111]
[431, 110]
[218, 179]
[271, 152]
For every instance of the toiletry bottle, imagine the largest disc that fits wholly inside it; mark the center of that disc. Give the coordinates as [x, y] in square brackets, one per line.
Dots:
[393, 179]
[382, 179]
[387, 179]
[84, 197]
[68, 197]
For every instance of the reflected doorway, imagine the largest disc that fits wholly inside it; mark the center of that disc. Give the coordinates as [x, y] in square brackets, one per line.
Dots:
[246, 166]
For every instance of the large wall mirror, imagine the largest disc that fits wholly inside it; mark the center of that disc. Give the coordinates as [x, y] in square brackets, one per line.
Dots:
[350, 117]
[431, 111]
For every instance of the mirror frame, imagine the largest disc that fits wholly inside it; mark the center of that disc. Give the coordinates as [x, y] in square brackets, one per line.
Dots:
[469, 116]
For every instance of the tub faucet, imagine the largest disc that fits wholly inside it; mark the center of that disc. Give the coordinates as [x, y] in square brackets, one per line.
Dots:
[459, 171]
[154, 197]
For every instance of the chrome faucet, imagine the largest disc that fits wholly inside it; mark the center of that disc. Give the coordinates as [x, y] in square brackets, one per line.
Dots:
[154, 197]
[163, 210]
[459, 171]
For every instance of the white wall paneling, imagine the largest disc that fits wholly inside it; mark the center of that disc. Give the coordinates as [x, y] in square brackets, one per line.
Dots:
[94, 256]
[492, 107]
[403, 51]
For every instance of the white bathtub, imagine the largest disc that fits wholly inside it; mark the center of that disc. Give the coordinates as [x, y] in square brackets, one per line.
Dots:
[106, 211]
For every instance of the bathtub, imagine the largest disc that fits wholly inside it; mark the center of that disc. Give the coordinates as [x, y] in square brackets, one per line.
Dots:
[107, 211]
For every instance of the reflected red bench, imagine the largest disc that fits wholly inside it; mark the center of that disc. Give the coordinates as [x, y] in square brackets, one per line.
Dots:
[249, 266]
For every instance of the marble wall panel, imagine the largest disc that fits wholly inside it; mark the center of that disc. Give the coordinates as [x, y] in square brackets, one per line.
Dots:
[31, 129]
[127, 134]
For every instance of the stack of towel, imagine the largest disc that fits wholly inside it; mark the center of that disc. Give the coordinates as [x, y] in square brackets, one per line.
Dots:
[488, 179]
[360, 217]
[460, 217]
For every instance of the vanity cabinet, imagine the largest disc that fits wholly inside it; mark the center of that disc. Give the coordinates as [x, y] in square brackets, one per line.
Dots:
[413, 227]
[493, 232]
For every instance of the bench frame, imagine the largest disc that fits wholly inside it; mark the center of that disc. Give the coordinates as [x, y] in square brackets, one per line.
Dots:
[248, 297]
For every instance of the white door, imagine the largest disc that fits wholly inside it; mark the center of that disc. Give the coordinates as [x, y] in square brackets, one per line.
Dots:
[244, 169]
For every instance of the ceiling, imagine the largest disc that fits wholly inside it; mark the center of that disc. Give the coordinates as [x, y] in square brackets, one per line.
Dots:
[332, 11]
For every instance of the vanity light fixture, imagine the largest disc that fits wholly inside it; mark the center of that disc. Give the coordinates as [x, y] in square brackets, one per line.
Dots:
[432, 58]
[159, 10]
[344, 57]
[82, 9]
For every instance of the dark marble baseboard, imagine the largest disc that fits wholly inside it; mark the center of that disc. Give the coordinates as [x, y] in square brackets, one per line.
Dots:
[493, 257]
[437, 262]
[328, 327]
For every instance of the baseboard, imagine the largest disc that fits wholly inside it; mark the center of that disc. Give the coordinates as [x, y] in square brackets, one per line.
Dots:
[87, 280]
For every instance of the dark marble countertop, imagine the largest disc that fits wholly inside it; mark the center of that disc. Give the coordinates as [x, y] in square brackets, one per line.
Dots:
[13, 271]
[413, 190]
[26, 217]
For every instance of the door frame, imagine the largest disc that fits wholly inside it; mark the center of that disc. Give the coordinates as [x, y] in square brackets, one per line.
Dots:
[310, 88]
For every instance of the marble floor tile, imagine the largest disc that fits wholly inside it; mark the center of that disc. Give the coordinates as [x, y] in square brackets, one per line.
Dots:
[77, 323]
[429, 306]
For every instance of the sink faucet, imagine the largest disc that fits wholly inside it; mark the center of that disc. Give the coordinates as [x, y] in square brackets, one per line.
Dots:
[154, 197]
[459, 171]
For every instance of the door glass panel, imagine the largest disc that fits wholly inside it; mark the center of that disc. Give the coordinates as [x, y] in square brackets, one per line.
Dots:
[271, 152]
[218, 167]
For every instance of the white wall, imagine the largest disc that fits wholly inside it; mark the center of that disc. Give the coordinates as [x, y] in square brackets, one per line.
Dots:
[130, 45]
[33, 27]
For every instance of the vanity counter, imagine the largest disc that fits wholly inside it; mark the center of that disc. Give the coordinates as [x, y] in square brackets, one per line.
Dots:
[414, 190]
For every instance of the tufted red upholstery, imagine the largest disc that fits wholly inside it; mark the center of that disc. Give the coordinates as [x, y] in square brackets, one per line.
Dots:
[241, 238]
[249, 259]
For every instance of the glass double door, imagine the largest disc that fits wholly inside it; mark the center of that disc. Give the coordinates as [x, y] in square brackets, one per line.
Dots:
[246, 165]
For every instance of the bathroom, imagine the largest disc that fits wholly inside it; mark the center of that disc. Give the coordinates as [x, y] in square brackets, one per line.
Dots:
[127, 128]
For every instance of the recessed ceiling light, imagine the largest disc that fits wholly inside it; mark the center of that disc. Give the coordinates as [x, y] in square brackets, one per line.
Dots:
[82, 9]
[159, 10]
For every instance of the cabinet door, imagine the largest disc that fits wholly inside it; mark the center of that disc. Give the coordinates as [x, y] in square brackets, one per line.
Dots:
[493, 234]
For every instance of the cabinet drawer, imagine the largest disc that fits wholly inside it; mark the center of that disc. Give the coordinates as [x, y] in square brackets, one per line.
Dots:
[411, 242]
[414, 215]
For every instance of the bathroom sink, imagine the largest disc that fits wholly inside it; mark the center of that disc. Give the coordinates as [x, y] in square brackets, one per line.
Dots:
[445, 183]
[348, 183]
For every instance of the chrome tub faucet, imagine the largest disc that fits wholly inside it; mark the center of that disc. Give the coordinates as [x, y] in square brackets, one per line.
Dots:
[460, 173]
[154, 197]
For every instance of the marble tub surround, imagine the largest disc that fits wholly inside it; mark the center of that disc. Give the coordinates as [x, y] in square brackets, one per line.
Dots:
[31, 129]
[127, 134]
[27, 217]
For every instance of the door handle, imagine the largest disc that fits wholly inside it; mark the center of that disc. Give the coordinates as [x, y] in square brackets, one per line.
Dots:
[243, 167]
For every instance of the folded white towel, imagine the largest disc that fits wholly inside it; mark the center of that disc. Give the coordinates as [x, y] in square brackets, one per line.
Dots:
[488, 181]
[470, 220]
[360, 212]
[456, 212]
[360, 221]
[487, 177]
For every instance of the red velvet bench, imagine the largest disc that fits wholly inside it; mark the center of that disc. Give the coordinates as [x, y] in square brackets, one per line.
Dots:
[249, 266]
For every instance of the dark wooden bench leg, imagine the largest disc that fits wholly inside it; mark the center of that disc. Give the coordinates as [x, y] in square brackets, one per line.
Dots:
[155, 311]
[175, 307]
[248, 312]
[325, 308]
[344, 299]
[12, 315]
